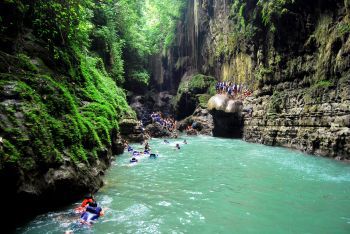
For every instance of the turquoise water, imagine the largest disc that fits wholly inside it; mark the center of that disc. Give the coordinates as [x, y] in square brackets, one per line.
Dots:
[215, 185]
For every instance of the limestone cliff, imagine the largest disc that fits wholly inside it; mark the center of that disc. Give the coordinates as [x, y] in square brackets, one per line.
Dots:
[294, 55]
[59, 111]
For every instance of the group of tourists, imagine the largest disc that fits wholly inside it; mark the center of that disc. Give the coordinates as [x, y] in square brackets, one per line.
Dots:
[233, 90]
[89, 210]
[135, 153]
[167, 122]
[147, 151]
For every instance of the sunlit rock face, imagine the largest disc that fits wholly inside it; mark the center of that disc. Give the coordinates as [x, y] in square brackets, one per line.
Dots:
[297, 68]
[218, 102]
[221, 102]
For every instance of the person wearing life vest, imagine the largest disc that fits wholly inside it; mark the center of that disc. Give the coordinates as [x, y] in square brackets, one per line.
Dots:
[88, 200]
[91, 214]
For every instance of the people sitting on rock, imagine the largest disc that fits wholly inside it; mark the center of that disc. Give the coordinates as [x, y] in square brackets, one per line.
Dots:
[168, 123]
[189, 127]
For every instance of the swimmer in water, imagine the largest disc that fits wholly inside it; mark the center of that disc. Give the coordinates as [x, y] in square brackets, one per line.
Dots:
[91, 214]
[133, 160]
[177, 146]
[166, 141]
[185, 142]
[147, 147]
[88, 200]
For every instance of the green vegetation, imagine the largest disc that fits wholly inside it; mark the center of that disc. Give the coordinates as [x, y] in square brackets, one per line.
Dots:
[203, 100]
[199, 85]
[323, 84]
[313, 94]
[276, 103]
[131, 31]
[272, 10]
[344, 28]
[246, 21]
[71, 104]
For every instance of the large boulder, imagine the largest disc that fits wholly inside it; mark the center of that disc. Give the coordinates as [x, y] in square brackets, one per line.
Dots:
[221, 102]
[193, 90]
[131, 130]
[227, 116]
[144, 105]
[218, 102]
[201, 121]
[157, 130]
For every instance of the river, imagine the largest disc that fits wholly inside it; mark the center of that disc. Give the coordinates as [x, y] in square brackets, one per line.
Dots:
[214, 185]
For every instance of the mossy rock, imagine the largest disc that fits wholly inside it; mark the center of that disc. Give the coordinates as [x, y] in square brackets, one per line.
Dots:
[197, 84]
[45, 118]
[203, 100]
[192, 92]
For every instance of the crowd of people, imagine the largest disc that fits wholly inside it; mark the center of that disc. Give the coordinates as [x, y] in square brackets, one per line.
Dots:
[147, 151]
[89, 211]
[233, 90]
[167, 122]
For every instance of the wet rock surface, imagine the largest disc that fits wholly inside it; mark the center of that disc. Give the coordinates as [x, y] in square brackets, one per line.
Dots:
[317, 127]
[227, 116]
[298, 67]
[158, 131]
[201, 122]
[131, 130]
[144, 105]
[48, 187]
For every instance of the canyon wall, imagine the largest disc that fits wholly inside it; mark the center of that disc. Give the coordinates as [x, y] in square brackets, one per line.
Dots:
[293, 55]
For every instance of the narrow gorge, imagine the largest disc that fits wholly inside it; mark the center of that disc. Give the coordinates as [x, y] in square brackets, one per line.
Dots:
[79, 80]
[293, 55]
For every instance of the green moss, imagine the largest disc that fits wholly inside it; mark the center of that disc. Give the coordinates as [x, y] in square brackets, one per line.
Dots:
[201, 83]
[276, 103]
[26, 64]
[323, 84]
[59, 115]
[8, 151]
[198, 89]
[343, 28]
[322, 30]
[203, 100]
[198, 84]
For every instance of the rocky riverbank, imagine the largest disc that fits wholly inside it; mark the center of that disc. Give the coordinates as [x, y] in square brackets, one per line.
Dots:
[293, 54]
